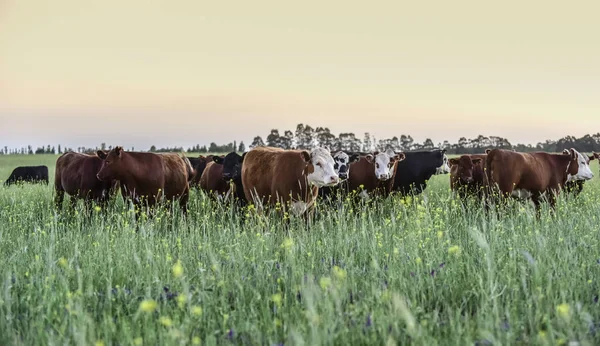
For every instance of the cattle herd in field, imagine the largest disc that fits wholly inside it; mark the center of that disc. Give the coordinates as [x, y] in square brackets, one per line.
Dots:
[295, 179]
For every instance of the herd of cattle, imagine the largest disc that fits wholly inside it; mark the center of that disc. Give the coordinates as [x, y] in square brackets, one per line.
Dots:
[297, 178]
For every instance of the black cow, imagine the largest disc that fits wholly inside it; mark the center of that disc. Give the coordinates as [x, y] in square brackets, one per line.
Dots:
[342, 161]
[232, 171]
[31, 174]
[417, 168]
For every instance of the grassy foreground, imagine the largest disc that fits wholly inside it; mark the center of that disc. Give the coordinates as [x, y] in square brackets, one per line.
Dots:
[426, 271]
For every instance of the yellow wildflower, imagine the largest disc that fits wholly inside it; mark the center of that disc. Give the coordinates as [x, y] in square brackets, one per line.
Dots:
[148, 305]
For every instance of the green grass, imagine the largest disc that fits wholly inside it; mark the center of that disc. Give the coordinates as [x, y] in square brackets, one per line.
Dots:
[429, 271]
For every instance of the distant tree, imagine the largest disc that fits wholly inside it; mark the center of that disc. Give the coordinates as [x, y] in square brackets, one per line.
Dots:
[428, 144]
[257, 142]
[325, 138]
[242, 147]
[53, 150]
[234, 146]
[152, 149]
[29, 151]
[273, 139]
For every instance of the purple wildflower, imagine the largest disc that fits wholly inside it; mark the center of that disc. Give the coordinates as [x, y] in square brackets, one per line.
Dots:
[230, 334]
[442, 265]
[369, 321]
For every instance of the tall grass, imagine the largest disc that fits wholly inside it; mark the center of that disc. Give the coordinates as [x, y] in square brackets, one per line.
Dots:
[428, 270]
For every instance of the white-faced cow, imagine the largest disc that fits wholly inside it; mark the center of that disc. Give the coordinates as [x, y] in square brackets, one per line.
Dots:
[290, 177]
[374, 173]
[531, 175]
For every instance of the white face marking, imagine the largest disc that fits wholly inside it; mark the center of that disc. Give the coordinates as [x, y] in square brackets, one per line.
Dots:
[584, 172]
[298, 208]
[384, 165]
[324, 174]
[522, 194]
[444, 168]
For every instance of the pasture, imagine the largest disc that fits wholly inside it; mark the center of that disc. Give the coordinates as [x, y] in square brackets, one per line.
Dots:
[426, 271]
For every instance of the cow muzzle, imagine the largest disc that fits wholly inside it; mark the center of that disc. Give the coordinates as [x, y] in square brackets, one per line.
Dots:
[384, 177]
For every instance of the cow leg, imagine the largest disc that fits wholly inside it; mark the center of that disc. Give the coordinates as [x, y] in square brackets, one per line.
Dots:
[59, 197]
[536, 198]
[73, 203]
[183, 201]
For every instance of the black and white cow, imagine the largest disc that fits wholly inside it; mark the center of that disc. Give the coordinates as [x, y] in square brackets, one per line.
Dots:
[30, 174]
[417, 168]
[342, 161]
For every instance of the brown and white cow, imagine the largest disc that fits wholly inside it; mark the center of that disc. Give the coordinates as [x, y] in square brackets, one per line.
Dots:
[290, 177]
[374, 173]
[467, 175]
[148, 177]
[75, 174]
[530, 175]
[576, 186]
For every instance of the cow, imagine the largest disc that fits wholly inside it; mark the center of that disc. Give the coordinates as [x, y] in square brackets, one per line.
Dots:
[576, 186]
[342, 162]
[147, 178]
[417, 168]
[232, 171]
[212, 181]
[467, 175]
[375, 173]
[30, 174]
[530, 175]
[199, 168]
[76, 174]
[289, 177]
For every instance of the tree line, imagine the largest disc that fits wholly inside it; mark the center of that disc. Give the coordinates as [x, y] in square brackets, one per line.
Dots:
[307, 137]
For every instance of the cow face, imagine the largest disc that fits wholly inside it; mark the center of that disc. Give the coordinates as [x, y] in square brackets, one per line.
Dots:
[320, 171]
[444, 168]
[232, 165]
[385, 163]
[342, 163]
[579, 166]
[111, 164]
[464, 168]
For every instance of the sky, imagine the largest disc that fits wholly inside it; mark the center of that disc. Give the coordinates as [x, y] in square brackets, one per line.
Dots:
[178, 72]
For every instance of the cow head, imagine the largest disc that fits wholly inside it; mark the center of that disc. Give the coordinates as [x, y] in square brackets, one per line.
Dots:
[579, 166]
[444, 168]
[232, 165]
[464, 168]
[111, 164]
[342, 163]
[385, 163]
[320, 167]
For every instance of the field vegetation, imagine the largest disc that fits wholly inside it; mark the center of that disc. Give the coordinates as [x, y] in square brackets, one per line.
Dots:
[428, 270]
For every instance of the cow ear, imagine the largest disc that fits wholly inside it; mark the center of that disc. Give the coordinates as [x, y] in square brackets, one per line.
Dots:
[453, 162]
[369, 158]
[487, 151]
[201, 157]
[101, 154]
[118, 150]
[400, 157]
[573, 154]
[566, 152]
[596, 155]
[218, 160]
[476, 161]
[443, 151]
[353, 158]
[305, 155]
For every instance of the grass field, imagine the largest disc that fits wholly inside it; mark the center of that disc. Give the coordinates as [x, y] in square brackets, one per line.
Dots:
[425, 271]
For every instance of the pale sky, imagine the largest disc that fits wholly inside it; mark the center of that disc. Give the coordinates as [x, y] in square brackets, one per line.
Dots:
[136, 73]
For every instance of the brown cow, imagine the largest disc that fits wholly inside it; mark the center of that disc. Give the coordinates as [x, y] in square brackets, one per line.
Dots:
[530, 175]
[374, 173]
[212, 180]
[291, 177]
[75, 174]
[148, 176]
[467, 175]
[199, 168]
